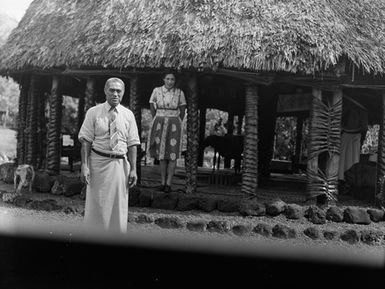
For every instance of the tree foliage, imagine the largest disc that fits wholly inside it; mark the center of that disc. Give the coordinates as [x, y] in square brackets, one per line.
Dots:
[285, 138]
[9, 99]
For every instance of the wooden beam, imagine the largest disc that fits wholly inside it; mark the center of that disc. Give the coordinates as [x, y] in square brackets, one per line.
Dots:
[54, 127]
[323, 80]
[251, 77]
[192, 135]
[250, 151]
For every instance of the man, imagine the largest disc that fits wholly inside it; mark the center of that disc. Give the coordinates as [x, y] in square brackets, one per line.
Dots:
[109, 131]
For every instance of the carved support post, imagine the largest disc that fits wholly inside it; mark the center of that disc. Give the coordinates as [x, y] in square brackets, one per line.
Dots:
[41, 131]
[230, 130]
[267, 111]
[334, 142]
[240, 122]
[22, 123]
[54, 127]
[324, 142]
[202, 131]
[380, 189]
[81, 110]
[312, 161]
[137, 110]
[298, 143]
[90, 94]
[250, 151]
[192, 136]
[31, 135]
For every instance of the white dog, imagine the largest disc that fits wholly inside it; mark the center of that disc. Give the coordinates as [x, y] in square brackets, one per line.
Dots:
[25, 174]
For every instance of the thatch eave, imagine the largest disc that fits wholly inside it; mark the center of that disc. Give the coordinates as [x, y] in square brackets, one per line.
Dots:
[306, 36]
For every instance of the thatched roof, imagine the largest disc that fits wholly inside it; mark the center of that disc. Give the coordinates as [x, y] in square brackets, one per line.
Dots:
[304, 36]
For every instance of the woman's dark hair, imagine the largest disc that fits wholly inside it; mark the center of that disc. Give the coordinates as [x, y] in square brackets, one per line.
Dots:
[167, 72]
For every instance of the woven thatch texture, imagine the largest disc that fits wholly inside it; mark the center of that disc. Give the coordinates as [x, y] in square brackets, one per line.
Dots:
[272, 35]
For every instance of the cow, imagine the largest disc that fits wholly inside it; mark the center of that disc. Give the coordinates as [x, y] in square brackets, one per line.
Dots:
[228, 146]
[23, 176]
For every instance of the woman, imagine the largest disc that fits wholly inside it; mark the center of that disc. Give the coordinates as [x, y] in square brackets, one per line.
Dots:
[168, 106]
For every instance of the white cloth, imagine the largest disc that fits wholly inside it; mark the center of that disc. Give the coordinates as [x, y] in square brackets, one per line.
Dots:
[107, 194]
[350, 152]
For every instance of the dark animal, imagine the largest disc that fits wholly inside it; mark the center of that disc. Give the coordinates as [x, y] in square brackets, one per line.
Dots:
[228, 146]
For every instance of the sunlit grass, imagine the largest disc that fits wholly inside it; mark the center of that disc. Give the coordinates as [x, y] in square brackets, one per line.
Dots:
[8, 142]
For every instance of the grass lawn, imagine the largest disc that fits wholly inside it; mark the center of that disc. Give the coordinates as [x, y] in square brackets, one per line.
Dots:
[8, 142]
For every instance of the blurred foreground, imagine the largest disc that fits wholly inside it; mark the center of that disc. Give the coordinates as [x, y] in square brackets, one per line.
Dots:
[49, 252]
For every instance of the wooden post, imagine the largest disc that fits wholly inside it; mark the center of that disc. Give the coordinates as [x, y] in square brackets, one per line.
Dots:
[230, 123]
[240, 122]
[192, 136]
[41, 131]
[312, 162]
[90, 94]
[31, 155]
[202, 131]
[298, 143]
[22, 123]
[137, 110]
[250, 152]
[380, 189]
[267, 110]
[332, 163]
[230, 130]
[81, 110]
[54, 127]
[324, 146]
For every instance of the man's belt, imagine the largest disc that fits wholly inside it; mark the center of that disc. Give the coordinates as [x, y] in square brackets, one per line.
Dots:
[111, 156]
[351, 131]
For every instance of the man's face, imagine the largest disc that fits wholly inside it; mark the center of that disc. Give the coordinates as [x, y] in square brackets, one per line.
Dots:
[114, 93]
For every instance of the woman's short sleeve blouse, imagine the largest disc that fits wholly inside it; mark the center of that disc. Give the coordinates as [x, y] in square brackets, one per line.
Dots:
[163, 98]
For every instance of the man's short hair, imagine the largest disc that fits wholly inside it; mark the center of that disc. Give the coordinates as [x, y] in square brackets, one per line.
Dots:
[113, 79]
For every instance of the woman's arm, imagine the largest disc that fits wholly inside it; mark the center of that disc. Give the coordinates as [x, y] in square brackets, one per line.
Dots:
[153, 109]
[152, 101]
[182, 110]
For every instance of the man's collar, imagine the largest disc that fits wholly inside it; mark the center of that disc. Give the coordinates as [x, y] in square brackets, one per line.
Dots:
[108, 107]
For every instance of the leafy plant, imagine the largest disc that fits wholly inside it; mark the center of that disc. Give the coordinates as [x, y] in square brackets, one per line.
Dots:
[370, 145]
